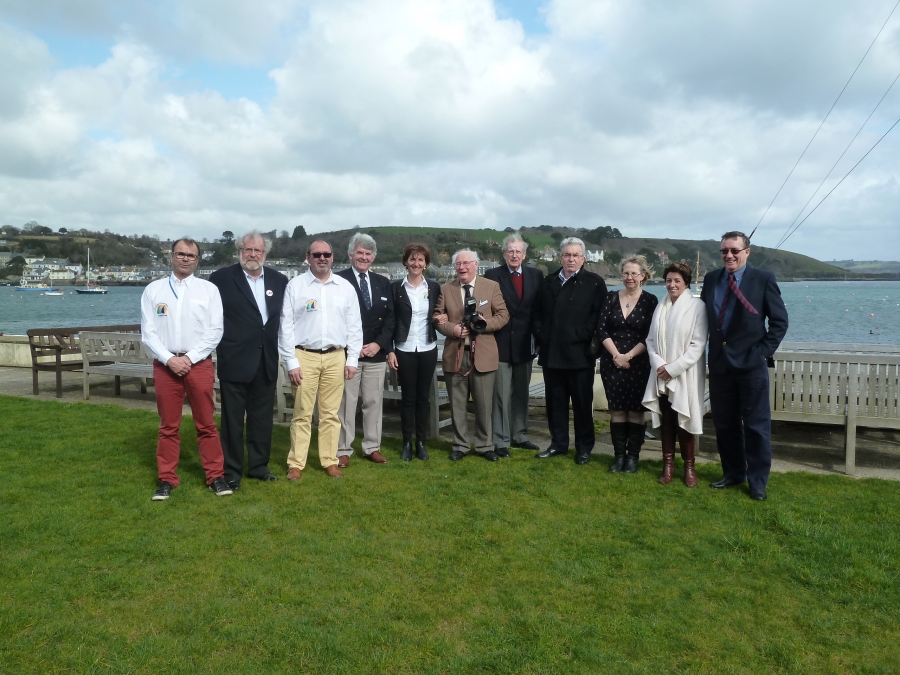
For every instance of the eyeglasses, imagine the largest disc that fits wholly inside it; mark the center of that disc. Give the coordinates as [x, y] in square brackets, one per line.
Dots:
[321, 254]
[632, 274]
[464, 263]
[571, 255]
[185, 256]
[512, 251]
[253, 251]
[732, 251]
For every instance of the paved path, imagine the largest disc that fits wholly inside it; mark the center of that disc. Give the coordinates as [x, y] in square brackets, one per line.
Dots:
[796, 447]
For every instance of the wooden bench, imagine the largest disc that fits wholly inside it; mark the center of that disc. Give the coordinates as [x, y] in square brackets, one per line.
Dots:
[843, 384]
[55, 349]
[117, 354]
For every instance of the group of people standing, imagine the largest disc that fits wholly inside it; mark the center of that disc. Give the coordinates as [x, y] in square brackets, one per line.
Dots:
[339, 332]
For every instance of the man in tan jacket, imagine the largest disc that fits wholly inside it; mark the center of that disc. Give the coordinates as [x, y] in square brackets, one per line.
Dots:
[470, 356]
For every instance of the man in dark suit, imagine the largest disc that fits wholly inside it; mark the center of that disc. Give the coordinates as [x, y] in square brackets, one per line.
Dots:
[248, 357]
[739, 299]
[520, 286]
[470, 359]
[376, 308]
[566, 316]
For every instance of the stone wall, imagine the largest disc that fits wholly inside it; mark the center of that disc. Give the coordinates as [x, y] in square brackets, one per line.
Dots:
[14, 351]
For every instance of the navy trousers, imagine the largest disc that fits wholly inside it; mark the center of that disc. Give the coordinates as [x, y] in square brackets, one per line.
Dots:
[743, 421]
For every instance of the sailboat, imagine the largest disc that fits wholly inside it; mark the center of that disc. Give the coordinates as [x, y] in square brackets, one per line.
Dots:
[89, 288]
[698, 284]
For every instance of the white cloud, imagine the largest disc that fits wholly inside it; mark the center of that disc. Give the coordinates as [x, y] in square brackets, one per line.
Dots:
[661, 119]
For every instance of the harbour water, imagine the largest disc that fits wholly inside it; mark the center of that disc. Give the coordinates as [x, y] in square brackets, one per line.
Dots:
[820, 311]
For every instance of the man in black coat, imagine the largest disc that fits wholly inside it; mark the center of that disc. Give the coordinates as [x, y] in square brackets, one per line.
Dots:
[739, 299]
[565, 321]
[520, 286]
[376, 308]
[248, 357]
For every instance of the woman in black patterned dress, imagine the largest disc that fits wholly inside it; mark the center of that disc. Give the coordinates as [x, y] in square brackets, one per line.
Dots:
[624, 364]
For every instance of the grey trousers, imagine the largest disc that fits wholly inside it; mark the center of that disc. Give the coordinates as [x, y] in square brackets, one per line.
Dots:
[510, 420]
[368, 384]
[481, 386]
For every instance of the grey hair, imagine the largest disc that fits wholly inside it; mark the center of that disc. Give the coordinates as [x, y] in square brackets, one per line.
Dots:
[464, 250]
[254, 234]
[514, 239]
[572, 241]
[638, 260]
[737, 235]
[363, 240]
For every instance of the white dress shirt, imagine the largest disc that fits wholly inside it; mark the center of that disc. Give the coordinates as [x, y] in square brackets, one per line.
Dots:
[181, 315]
[320, 315]
[258, 288]
[417, 339]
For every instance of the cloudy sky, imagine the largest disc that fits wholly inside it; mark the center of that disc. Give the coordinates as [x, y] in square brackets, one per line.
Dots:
[661, 118]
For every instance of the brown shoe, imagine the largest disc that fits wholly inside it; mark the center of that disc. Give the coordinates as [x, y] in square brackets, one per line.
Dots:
[377, 457]
[344, 461]
[333, 471]
[294, 474]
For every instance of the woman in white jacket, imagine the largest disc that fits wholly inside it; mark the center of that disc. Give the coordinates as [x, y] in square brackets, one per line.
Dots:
[677, 348]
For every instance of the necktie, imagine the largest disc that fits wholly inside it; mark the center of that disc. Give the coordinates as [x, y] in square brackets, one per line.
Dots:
[468, 288]
[732, 289]
[364, 287]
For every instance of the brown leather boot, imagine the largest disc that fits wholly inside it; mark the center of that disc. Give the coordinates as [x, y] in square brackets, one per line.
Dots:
[686, 441]
[668, 467]
[667, 440]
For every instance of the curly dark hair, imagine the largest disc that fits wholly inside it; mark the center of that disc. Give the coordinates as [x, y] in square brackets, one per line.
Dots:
[680, 268]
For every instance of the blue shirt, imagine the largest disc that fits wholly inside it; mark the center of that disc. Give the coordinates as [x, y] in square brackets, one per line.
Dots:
[721, 287]
[258, 288]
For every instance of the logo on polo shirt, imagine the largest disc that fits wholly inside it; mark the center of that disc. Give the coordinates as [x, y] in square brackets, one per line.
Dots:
[311, 306]
[162, 309]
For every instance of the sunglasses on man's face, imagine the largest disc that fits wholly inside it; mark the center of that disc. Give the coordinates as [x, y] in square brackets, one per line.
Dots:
[321, 254]
[732, 251]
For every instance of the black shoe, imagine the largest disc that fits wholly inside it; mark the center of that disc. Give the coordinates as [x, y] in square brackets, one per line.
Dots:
[724, 482]
[162, 491]
[501, 452]
[758, 495]
[583, 458]
[618, 464]
[406, 455]
[220, 487]
[456, 455]
[233, 484]
[267, 478]
[525, 445]
[420, 450]
[491, 456]
[631, 463]
[551, 452]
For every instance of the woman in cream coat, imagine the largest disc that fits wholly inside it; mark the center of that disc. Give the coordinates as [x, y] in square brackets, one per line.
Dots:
[677, 348]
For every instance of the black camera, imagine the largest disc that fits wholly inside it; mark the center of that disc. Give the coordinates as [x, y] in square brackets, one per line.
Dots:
[472, 319]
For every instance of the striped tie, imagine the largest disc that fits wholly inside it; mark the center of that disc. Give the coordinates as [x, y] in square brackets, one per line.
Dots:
[733, 289]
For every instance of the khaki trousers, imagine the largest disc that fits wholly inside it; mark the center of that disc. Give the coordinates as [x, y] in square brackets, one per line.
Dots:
[481, 386]
[323, 374]
[368, 383]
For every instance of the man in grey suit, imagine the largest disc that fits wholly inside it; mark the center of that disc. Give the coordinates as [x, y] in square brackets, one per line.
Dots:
[520, 286]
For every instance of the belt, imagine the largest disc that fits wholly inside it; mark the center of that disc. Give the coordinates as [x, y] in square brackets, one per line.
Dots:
[317, 351]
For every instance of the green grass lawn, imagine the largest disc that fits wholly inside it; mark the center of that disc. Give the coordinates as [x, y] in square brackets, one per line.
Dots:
[518, 566]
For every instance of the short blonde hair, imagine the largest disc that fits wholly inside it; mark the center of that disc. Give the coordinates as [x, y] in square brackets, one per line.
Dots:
[638, 260]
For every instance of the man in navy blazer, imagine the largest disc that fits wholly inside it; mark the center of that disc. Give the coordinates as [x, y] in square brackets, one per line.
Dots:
[520, 286]
[739, 301]
[376, 309]
[248, 357]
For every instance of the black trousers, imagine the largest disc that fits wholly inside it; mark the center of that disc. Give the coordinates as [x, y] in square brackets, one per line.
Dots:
[256, 401]
[576, 385]
[415, 370]
[743, 421]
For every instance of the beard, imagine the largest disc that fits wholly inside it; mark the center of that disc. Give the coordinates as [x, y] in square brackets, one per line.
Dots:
[250, 265]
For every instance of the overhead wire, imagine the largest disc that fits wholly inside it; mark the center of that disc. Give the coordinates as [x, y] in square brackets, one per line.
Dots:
[802, 154]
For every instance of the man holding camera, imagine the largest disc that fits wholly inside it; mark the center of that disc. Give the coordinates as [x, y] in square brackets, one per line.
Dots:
[470, 310]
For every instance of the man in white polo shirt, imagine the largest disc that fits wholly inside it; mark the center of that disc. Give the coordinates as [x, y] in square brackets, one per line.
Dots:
[320, 340]
[181, 324]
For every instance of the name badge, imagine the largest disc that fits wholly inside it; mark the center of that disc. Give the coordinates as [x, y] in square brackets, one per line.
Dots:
[482, 303]
[383, 299]
[269, 293]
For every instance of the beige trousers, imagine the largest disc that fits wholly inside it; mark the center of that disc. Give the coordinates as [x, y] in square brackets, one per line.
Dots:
[323, 374]
[368, 383]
